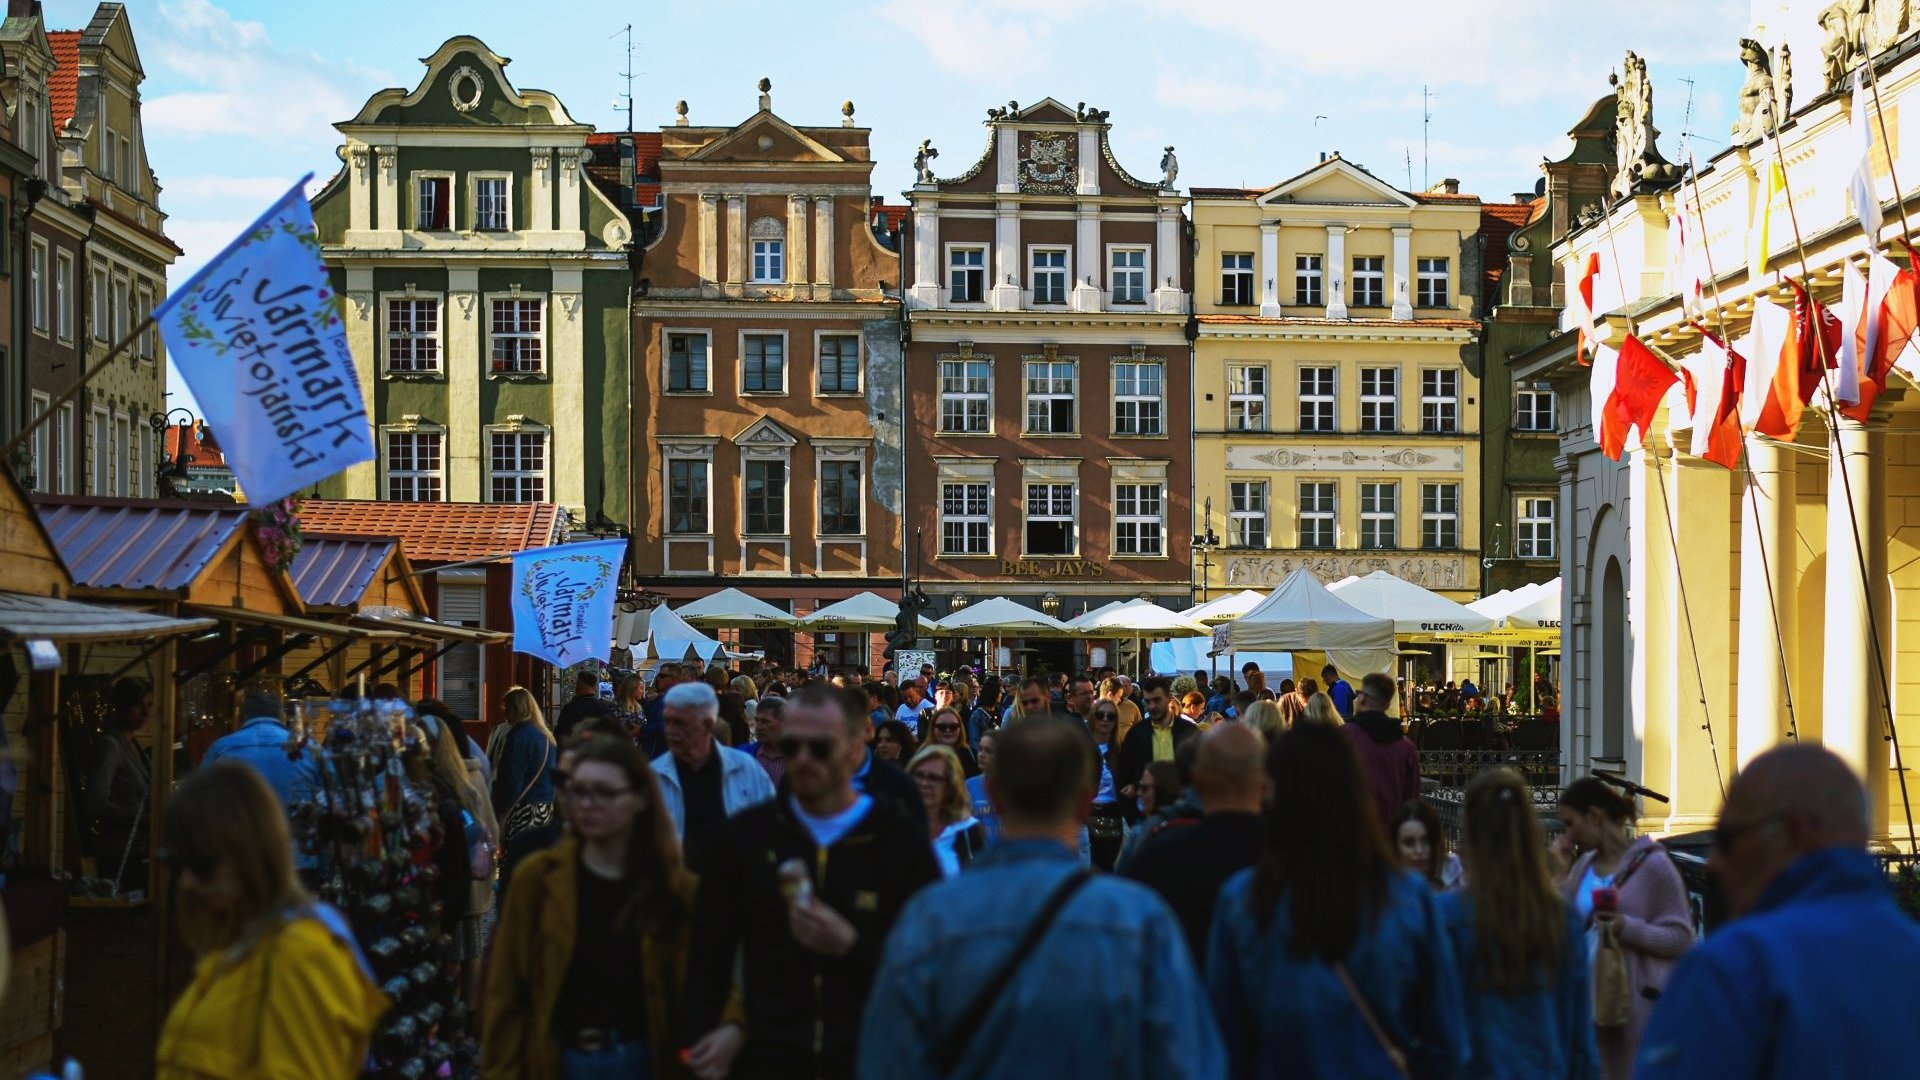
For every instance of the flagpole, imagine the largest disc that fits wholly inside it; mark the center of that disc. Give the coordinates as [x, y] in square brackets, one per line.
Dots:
[71, 392]
[1846, 484]
[1886, 147]
[1746, 461]
[1673, 537]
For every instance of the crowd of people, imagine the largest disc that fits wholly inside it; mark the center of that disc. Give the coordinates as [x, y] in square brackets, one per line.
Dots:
[786, 874]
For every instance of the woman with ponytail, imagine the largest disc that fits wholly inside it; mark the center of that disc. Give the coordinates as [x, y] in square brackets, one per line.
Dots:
[1523, 962]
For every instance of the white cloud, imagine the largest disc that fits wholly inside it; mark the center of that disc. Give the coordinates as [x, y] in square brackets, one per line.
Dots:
[1206, 94]
[244, 84]
[992, 41]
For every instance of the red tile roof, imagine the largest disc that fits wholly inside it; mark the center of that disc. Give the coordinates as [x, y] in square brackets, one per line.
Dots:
[1225, 192]
[1441, 196]
[64, 84]
[439, 532]
[198, 441]
[606, 157]
[895, 214]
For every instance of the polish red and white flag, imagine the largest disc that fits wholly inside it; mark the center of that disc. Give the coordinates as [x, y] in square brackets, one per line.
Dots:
[1627, 388]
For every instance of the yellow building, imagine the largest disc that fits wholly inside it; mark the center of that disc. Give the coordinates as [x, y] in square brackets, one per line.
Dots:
[1336, 426]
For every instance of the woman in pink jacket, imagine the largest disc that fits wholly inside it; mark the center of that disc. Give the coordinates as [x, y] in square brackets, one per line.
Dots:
[1650, 916]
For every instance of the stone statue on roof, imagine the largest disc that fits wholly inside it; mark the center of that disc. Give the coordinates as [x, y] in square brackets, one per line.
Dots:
[1637, 159]
[923, 162]
[1847, 26]
[1169, 168]
[1757, 97]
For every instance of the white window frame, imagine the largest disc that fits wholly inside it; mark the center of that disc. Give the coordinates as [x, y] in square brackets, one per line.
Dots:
[1379, 407]
[474, 201]
[437, 476]
[1379, 515]
[704, 462]
[1530, 400]
[966, 476]
[437, 302]
[859, 363]
[1135, 276]
[125, 166]
[39, 269]
[109, 147]
[540, 302]
[1321, 402]
[785, 462]
[1534, 530]
[1254, 414]
[121, 301]
[121, 481]
[1027, 517]
[1440, 401]
[42, 444]
[102, 302]
[1137, 519]
[100, 450]
[413, 200]
[1064, 271]
[667, 334]
[1133, 368]
[1051, 395]
[964, 399]
[63, 295]
[1237, 284]
[820, 463]
[952, 269]
[149, 334]
[1368, 269]
[1309, 280]
[1249, 504]
[64, 458]
[544, 473]
[141, 468]
[786, 364]
[1329, 515]
[1431, 282]
[1435, 516]
[767, 260]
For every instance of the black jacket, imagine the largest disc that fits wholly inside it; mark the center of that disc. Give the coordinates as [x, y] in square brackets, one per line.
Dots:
[1136, 750]
[584, 711]
[885, 780]
[802, 1009]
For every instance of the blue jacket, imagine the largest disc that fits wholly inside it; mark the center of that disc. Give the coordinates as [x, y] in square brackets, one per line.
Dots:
[525, 763]
[1109, 992]
[1821, 979]
[1523, 1036]
[743, 783]
[1282, 1016]
[262, 743]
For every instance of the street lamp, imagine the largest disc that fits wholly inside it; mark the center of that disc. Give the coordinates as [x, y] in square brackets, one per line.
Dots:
[172, 471]
[1205, 543]
[1050, 605]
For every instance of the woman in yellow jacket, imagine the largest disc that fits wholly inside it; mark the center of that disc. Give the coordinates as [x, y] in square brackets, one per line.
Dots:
[590, 955]
[280, 991]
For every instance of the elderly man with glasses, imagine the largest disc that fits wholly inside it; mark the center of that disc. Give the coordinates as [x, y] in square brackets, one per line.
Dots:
[702, 782]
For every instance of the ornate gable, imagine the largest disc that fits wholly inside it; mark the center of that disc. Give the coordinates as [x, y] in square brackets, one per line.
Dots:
[466, 83]
[1337, 182]
[765, 434]
[765, 137]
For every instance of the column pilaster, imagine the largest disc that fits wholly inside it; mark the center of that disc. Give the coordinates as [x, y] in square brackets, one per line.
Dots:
[1270, 269]
[1767, 615]
[1402, 271]
[1857, 634]
[1333, 276]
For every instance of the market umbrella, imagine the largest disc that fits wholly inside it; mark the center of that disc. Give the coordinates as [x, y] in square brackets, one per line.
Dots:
[1000, 617]
[1302, 616]
[731, 607]
[1138, 619]
[1226, 608]
[1416, 612]
[1079, 621]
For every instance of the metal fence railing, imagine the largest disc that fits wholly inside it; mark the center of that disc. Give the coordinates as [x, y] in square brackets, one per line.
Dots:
[1444, 775]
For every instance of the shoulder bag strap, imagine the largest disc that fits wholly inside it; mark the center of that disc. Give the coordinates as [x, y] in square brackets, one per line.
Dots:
[1394, 1054]
[953, 1046]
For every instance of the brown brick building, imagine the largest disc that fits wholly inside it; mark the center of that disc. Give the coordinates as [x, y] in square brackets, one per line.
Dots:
[1048, 455]
[766, 335]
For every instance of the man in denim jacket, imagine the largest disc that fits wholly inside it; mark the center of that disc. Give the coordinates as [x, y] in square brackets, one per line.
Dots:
[1078, 1004]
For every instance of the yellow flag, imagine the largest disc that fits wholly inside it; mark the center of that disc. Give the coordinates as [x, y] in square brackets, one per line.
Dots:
[1773, 181]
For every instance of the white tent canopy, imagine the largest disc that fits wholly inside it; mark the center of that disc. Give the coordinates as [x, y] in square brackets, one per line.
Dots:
[1416, 612]
[1000, 617]
[1186, 655]
[731, 607]
[1302, 616]
[667, 637]
[1225, 608]
[1079, 622]
[1136, 618]
[1528, 608]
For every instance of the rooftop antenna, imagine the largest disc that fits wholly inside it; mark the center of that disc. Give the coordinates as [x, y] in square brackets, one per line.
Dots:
[1686, 120]
[1408, 150]
[1426, 122]
[627, 96]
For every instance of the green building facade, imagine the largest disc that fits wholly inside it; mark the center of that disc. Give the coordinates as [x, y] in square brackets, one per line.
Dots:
[487, 285]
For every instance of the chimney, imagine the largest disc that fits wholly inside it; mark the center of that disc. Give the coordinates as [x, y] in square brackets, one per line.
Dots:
[1449, 186]
[1323, 157]
[1523, 197]
[627, 167]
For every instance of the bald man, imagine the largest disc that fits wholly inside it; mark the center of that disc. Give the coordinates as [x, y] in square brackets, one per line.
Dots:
[1187, 864]
[1819, 974]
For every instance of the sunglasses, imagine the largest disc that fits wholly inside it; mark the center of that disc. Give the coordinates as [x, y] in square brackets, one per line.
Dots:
[930, 778]
[946, 727]
[200, 866]
[818, 749]
[1105, 714]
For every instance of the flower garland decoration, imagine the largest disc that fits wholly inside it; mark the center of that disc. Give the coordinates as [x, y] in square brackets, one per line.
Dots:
[277, 527]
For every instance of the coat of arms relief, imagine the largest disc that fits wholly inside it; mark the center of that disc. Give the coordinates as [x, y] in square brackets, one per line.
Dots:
[1048, 163]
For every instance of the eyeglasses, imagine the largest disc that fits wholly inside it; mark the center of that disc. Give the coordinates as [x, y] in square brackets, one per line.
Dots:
[594, 796]
[946, 727]
[821, 749]
[200, 866]
[930, 779]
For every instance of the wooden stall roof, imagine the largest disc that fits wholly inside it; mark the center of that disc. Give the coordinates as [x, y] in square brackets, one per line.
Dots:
[351, 573]
[25, 618]
[431, 629]
[197, 552]
[29, 561]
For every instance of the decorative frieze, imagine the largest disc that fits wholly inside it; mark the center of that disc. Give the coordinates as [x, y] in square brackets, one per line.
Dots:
[1394, 459]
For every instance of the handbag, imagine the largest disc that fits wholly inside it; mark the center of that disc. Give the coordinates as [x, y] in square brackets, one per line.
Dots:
[953, 1046]
[523, 815]
[1106, 827]
[1612, 989]
[1395, 1055]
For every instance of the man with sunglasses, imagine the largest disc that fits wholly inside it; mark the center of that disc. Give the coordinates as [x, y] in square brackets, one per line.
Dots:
[804, 889]
[1819, 974]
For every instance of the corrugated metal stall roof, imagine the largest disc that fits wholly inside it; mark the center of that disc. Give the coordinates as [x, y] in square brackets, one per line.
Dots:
[136, 543]
[336, 571]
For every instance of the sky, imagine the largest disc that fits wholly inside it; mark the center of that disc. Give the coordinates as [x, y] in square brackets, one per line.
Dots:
[240, 96]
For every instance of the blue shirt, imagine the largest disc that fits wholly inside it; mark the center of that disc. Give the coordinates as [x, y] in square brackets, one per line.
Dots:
[982, 806]
[1821, 980]
[1342, 694]
[1530, 1034]
[262, 743]
[1285, 1016]
[1109, 991]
